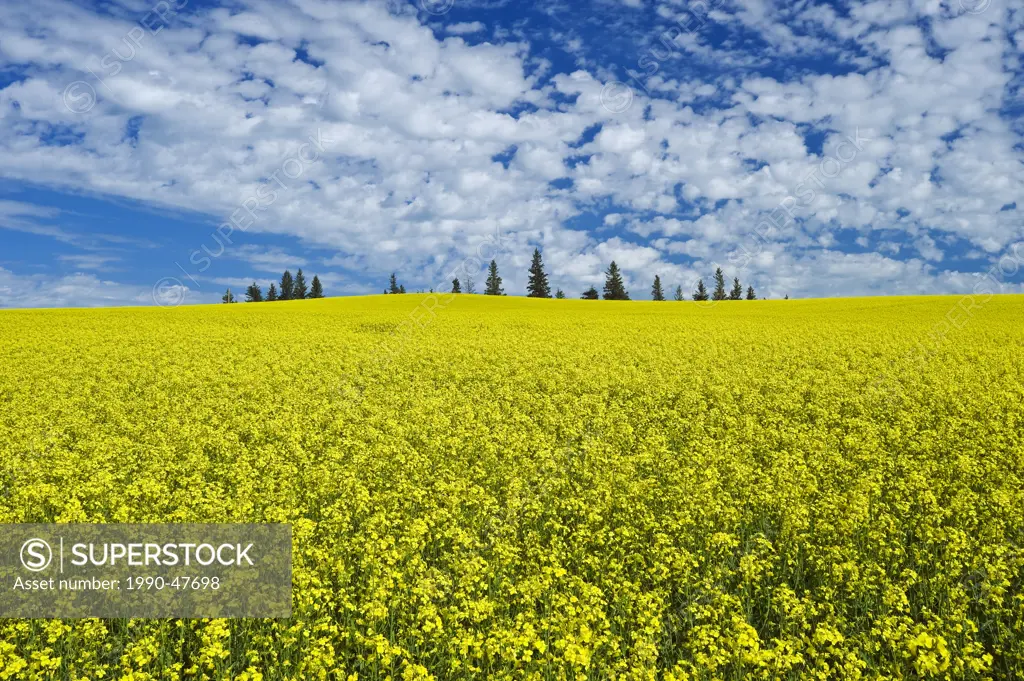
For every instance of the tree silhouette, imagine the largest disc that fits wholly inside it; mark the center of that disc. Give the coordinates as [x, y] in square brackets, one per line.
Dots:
[656, 292]
[299, 286]
[614, 287]
[286, 286]
[493, 285]
[537, 286]
[701, 293]
[719, 293]
[737, 290]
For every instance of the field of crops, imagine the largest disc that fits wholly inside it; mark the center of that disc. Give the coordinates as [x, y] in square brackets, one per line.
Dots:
[543, 489]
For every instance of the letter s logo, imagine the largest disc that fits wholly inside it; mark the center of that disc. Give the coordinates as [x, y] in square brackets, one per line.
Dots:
[36, 555]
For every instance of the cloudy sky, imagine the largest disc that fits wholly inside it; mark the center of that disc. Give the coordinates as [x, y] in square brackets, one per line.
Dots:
[163, 152]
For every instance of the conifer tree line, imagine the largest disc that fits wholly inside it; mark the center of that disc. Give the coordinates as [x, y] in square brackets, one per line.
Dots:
[537, 285]
[290, 288]
[393, 286]
[736, 293]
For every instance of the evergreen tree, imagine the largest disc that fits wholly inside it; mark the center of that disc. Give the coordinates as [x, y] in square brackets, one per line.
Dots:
[719, 293]
[679, 293]
[737, 290]
[656, 292]
[299, 289]
[560, 294]
[750, 293]
[286, 286]
[401, 289]
[590, 294]
[456, 286]
[253, 294]
[701, 293]
[228, 297]
[393, 284]
[272, 293]
[493, 285]
[470, 285]
[537, 286]
[614, 287]
[317, 289]
[787, 297]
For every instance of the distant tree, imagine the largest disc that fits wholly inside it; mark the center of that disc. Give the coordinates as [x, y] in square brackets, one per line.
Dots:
[560, 294]
[719, 293]
[299, 289]
[750, 293]
[401, 289]
[656, 292]
[393, 284]
[590, 294]
[253, 294]
[679, 293]
[537, 286]
[470, 285]
[456, 286]
[787, 297]
[317, 289]
[614, 287]
[737, 290]
[701, 293]
[286, 286]
[493, 284]
[272, 294]
[228, 297]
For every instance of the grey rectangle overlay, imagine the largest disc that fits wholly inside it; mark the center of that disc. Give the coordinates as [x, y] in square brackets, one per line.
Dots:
[186, 570]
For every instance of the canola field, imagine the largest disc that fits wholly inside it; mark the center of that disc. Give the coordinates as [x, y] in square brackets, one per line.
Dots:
[543, 489]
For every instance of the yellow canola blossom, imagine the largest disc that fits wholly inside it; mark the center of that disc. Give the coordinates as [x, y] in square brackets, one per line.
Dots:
[507, 488]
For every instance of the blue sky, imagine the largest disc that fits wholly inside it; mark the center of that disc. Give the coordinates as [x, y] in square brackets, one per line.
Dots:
[157, 153]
